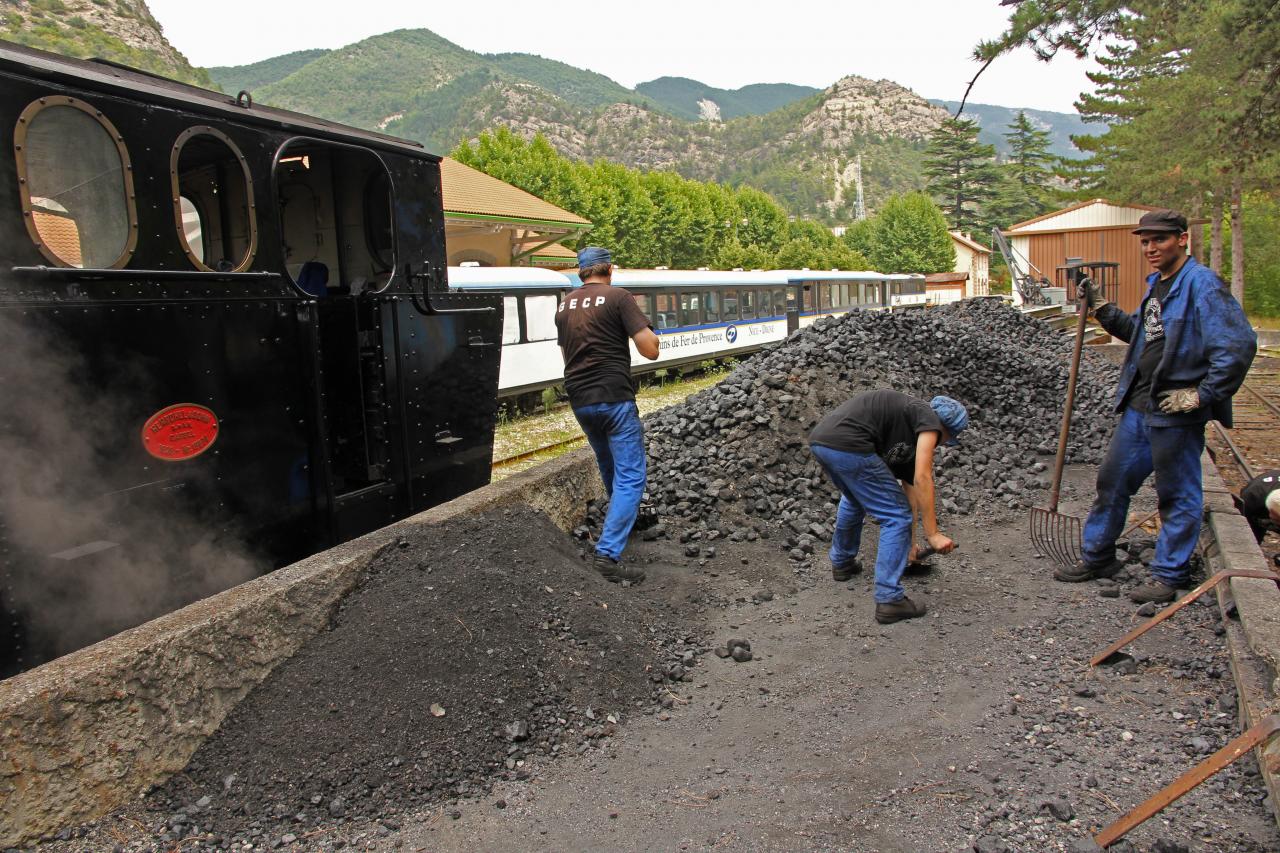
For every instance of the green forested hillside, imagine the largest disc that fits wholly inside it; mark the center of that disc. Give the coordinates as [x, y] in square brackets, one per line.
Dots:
[234, 78]
[994, 120]
[367, 82]
[578, 86]
[680, 97]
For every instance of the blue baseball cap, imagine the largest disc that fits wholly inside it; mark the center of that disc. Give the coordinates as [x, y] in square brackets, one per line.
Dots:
[592, 255]
[953, 415]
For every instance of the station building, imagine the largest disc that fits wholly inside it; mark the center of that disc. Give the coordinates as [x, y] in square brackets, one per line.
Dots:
[494, 224]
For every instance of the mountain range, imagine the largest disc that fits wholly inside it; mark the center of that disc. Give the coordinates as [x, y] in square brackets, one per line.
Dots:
[801, 145]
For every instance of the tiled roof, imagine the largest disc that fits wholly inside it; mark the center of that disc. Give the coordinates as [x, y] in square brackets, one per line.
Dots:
[60, 235]
[555, 250]
[945, 277]
[965, 241]
[472, 193]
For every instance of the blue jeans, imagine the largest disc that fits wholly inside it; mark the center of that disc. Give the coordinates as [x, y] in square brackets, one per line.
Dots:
[867, 487]
[616, 435]
[1137, 449]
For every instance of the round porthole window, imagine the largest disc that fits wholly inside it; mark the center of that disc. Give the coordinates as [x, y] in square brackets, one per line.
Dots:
[213, 201]
[75, 184]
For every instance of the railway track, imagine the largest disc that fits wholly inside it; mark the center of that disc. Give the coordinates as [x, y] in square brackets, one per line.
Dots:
[1253, 444]
[568, 443]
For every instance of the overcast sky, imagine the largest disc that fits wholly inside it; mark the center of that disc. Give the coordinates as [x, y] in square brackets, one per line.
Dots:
[925, 45]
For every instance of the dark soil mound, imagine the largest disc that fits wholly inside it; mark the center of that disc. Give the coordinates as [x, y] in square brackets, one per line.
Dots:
[468, 650]
[739, 449]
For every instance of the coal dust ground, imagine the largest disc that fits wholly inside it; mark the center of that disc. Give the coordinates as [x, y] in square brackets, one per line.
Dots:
[979, 727]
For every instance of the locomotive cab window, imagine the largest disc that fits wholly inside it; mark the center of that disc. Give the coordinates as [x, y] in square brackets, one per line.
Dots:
[336, 218]
[75, 184]
[213, 201]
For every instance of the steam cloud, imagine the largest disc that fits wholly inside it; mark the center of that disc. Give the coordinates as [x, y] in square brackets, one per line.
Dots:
[89, 543]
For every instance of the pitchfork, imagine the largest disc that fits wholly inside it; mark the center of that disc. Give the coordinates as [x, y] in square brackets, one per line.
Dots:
[1053, 533]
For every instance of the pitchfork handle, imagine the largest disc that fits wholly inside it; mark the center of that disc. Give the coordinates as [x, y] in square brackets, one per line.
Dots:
[1066, 412]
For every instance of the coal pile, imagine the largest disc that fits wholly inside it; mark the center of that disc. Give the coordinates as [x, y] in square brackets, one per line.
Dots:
[739, 449]
[470, 652]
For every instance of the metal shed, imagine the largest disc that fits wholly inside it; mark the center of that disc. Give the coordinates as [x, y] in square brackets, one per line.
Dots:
[1097, 230]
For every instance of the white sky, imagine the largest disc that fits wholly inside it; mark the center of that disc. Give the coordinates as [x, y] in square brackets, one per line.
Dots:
[925, 45]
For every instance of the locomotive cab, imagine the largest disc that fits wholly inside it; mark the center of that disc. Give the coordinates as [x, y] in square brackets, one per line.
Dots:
[229, 340]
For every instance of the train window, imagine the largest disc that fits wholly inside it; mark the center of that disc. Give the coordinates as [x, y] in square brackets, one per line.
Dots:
[713, 306]
[766, 303]
[540, 317]
[666, 311]
[841, 297]
[748, 304]
[510, 320]
[643, 303]
[210, 174]
[781, 302]
[378, 231]
[824, 294]
[336, 217]
[808, 297]
[75, 184]
[690, 310]
[731, 305]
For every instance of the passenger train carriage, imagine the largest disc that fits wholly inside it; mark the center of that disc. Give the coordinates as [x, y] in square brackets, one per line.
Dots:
[227, 330]
[698, 314]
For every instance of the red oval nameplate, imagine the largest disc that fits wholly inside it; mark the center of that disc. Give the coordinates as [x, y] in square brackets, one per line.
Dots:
[179, 432]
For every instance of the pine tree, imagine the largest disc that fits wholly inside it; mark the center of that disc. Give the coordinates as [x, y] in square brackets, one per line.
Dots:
[1023, 190]
[961, 172]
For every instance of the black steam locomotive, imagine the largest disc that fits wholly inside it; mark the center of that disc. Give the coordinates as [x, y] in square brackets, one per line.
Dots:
[228, 342]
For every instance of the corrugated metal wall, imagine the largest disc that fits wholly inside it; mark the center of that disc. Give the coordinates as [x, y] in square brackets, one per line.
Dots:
[1050, 251]
[1095, 215]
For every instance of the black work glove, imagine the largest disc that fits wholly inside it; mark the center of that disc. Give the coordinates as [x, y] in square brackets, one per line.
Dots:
[1090, 294]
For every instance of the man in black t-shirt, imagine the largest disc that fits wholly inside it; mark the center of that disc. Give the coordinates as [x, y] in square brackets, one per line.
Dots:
[594, 325]
[867, 445]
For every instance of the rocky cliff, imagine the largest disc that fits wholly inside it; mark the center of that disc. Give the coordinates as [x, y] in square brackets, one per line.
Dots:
[122, 30]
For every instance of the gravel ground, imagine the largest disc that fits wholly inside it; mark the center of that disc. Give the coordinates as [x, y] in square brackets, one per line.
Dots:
[979, 727]
[738, 698]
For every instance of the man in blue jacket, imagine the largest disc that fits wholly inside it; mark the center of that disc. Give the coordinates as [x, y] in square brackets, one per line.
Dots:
[1190, 346]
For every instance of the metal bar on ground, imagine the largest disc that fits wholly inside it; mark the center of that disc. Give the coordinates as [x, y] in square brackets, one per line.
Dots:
[1264, 729]
[1174, 608]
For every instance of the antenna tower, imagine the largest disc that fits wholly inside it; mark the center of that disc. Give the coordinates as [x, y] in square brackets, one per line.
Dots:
[859, 206]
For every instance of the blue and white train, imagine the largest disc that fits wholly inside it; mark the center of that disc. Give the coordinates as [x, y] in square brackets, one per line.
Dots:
[698, 314]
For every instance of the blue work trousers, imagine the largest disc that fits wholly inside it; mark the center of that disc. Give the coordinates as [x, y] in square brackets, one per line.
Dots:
[616, 434]
[1137, 449]
[867, 487]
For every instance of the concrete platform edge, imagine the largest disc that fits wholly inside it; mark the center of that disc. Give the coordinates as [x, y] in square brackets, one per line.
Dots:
[92, 730]
[1254, 640]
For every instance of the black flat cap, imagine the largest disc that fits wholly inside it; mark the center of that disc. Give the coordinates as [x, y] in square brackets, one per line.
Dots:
[1162, 220]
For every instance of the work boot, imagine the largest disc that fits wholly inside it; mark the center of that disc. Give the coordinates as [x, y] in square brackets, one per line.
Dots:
[1082, 571]
[844, 571]
[896, 611]
[615, 570]
[1157, 591]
